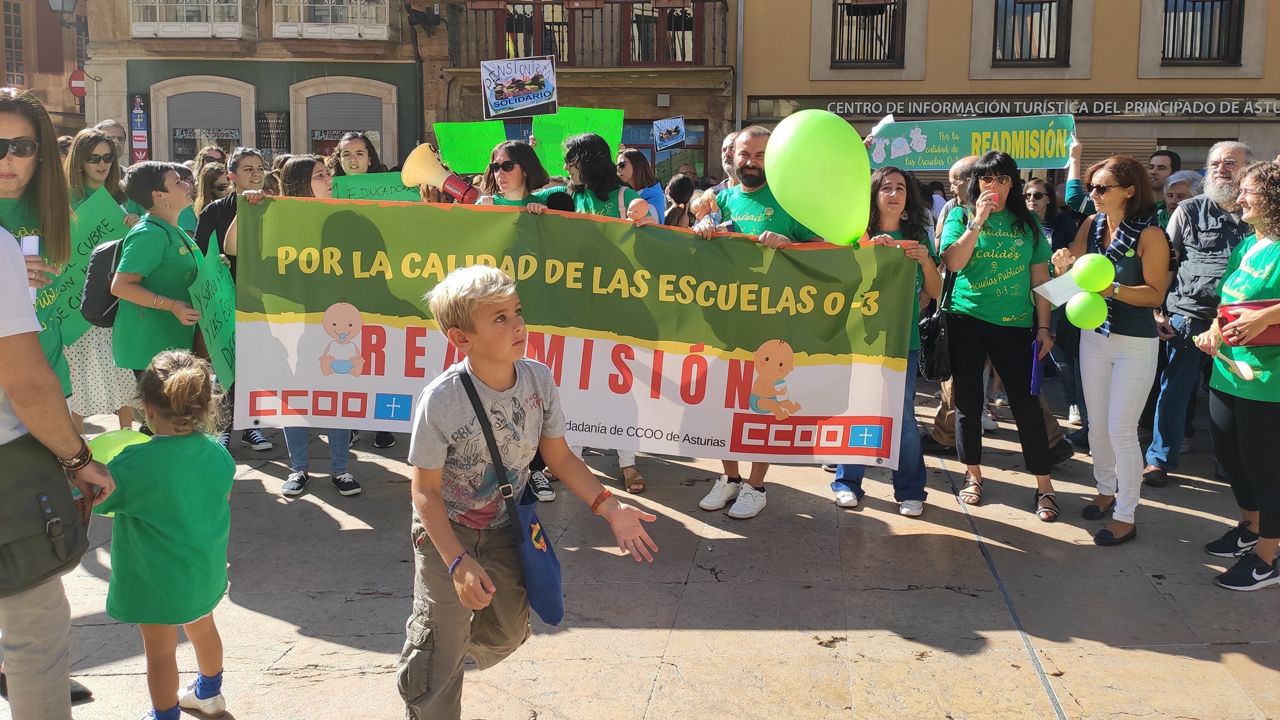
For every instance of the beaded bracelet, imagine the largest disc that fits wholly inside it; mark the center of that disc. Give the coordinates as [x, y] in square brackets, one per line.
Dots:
[456, 562]
[78, 461]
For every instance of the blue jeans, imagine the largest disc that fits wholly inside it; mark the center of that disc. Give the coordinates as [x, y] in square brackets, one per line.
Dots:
[908, 479]
[298, 440]
[1181, 378]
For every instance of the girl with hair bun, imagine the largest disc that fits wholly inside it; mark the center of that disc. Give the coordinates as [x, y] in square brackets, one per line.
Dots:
[169, 538]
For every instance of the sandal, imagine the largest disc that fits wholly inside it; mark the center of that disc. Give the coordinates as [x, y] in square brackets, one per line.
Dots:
[1046, 513]
[633, 480]
[971, 493]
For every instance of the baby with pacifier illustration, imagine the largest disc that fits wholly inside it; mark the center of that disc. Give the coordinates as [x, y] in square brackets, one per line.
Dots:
[342, 322]
[774, 362]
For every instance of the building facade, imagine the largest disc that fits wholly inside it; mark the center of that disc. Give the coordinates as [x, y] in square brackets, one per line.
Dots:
[42, 49]
[1139, 74]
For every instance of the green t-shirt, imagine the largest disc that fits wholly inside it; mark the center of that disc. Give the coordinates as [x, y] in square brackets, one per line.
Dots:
[758, 211]
[167, 259]
[21, 219]
[915, 298]
[1252, 274]
[499, 200]
[172, 522]
[187, 220]
[586, 202]
[996, 284]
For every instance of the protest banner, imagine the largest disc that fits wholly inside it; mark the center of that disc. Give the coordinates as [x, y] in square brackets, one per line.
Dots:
[97, 220]
[668, 134]
[552, 130]
[465, 146]
[659, 342]
[213, 293]
[373, 186]
[519, 87]
[1036, 142]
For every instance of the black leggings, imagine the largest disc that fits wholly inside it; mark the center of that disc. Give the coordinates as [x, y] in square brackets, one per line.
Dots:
[1239, 428]
[972, 341]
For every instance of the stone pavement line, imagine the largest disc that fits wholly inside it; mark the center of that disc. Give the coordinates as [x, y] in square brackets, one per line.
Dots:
[1004, 593]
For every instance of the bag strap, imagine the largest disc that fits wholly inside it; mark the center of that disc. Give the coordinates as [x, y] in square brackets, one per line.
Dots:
[505, 487]
[622, 209]
[948, 283]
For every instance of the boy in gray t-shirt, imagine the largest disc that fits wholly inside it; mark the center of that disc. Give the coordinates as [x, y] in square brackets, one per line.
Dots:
[469, 594]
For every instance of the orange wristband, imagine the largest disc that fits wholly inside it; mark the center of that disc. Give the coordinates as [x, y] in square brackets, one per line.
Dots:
[604, 495]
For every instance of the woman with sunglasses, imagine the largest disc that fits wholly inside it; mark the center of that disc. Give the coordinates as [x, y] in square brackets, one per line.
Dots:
[514, 173]
[1118, 360]
[636, 173]
[212, 185]
[98, 386]
[210, 154]
[998, 255]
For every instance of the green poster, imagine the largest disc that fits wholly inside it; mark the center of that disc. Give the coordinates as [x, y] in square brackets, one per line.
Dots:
[97, 220]
[1036, 141]
[213, 293]
[466, 146]
[373, 186]
[552, 130]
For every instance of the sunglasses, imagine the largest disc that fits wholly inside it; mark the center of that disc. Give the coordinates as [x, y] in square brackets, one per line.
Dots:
[622, 164]
[20, 147]
[1035, 195]
[995, 180]
[95, 159]
[507, 166]
[1099, 189]
[221, 187]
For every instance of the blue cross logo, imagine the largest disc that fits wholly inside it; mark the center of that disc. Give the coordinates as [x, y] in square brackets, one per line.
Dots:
[866, 436]
[387, 406]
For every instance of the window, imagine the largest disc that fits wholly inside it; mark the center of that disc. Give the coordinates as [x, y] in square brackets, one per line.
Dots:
[639, 136]
[82, 40]
[1202, 32]
[15, 70]
[867, 33]
[184, 18]
[1032, 32]
[334, 19]
[535, 28]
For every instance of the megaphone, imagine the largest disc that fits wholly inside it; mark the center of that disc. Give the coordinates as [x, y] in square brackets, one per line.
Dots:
[423, 168]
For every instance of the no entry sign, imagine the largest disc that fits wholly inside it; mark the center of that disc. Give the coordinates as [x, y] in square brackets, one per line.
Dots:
[75, 83]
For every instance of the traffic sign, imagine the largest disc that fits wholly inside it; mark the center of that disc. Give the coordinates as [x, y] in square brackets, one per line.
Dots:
[75, 83]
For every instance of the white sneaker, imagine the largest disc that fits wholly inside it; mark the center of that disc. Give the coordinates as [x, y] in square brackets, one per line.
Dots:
[212, 707]
[911, 508]
[749, 503]
[989, 423]
[846, 498]
[1073, 414]
[721, 493]
[1000, 400]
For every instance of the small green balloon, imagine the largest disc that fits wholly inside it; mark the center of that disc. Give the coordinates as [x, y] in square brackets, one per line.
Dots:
[819, 171]
[109, 444]
[1093, 273]
[1087, 310]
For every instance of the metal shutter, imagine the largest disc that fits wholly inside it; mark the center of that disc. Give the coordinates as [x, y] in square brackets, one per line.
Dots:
[344, 111]
[204, 110]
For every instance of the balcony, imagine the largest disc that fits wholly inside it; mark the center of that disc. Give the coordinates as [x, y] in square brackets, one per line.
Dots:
[587, 33]
[188, 19]
[335, 19]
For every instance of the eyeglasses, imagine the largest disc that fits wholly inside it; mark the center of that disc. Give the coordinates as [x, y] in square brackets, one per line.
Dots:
[1035, 195]
[95, 159]
[1100, 189]
[20, 147]
[507, 166]
[995, 180]
[221, 187]
[1227, 163]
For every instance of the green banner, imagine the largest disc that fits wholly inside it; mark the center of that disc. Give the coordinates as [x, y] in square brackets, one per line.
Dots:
[213, 293]
[466, 146]
[373, 186]
[1036, 142]
[97, 220]
[552, 130]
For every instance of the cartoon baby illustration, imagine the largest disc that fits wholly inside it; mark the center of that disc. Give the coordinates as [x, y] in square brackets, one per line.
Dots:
[919, 141]
[899, 148]
[342, 322]
[774, 361]
[878, 154]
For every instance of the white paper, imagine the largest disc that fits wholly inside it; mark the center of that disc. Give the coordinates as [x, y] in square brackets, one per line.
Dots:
[887, 119]
[31, 246]
[1059, 290]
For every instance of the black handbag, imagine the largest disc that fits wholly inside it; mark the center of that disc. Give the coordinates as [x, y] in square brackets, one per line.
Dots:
[935, 357]
[41, 533]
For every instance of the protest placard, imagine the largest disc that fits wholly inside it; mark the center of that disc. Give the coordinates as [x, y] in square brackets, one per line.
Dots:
[668, 134]
[1036, 142]
[213, 293]
[519, 87]
[552, 130]
[465, 146]
[97, 220]
[373, 186]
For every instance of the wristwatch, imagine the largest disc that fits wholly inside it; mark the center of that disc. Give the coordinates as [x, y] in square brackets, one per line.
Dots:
[974, 225]
[1115, 290]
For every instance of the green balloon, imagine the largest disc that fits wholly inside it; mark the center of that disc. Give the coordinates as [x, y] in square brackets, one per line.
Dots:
[819, 171]
[1093, 273]
[109, 444]
[1087, 310]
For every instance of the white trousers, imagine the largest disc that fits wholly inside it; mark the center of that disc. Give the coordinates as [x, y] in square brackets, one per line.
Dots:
[1117, 371]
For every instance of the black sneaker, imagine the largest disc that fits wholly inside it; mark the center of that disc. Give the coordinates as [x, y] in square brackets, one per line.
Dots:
[384, 440]
[295, 484]
[1060, 452]
[255, 440]
[541, 486]
[933, 447]
[346, 484]
[1238, 541]
[1249, 573]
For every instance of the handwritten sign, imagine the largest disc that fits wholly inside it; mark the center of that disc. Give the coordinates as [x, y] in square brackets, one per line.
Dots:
[668, 134]
[465, 146]
[373, 186]
[97, 220]
[1036, 142]
[552, 130]
[519, 87]
[213, 293]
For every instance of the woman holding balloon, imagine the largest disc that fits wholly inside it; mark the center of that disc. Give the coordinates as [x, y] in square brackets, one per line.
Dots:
[998, 255]
[1127, 266]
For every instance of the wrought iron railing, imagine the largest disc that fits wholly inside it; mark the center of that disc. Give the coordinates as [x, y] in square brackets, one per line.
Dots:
[1202, 32]
[1032, 32]
[867, 33]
